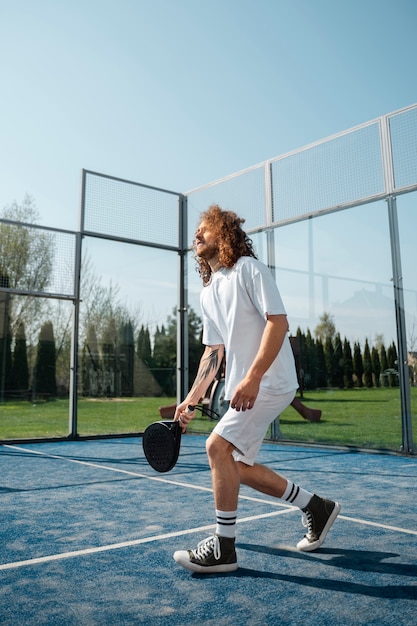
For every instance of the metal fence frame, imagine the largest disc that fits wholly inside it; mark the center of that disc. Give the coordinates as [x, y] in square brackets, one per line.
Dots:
[271, 221]
[388, 193]
[182, 308]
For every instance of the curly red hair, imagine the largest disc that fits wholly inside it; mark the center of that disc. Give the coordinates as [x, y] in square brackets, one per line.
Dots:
[233, 241]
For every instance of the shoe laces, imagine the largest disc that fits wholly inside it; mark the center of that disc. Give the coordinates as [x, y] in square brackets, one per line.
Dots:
[208, 546]
[307, 520]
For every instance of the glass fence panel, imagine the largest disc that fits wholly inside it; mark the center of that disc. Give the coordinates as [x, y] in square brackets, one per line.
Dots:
[127, 348]
[35, 348]
[334, 273]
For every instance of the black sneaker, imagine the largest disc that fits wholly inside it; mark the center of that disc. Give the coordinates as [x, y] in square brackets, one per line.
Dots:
[212, 555]
[319, 515]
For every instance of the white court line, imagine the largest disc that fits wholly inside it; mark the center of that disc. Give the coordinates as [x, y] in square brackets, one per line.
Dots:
[138, 475]
[135, 542]
[397, 529]
[127, 544]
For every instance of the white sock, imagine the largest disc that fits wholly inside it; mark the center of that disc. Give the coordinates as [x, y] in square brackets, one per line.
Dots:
[296, 495]
[226, 523]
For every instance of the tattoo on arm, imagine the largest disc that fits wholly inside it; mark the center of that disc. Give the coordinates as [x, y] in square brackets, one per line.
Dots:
[208, 367]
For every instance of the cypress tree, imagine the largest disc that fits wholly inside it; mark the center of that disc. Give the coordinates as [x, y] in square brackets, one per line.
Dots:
[301, 359]
[367, 366]
[109, 356]
[45, 374]
[384, 365]
[347, 365]
[321, 365]
[376, 366]
[91, 365]
[5, 339]
[392, 359]
[330, 362]
[195, 347]
[311, 362]
[164, 359]
[358, 364]
[338, 362]
[126, 354]
[6, 359]
[309, 359]
[144, 346]
[165, 348]
[20, 367]
[392, 356]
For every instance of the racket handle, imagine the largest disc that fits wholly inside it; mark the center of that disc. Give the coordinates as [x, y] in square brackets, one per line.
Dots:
[190, 408]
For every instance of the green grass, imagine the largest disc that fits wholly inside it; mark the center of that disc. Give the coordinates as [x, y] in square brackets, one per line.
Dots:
[23, 420]
[368, 418]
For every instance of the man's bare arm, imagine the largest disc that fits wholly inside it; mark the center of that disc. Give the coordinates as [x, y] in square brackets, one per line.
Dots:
[209, 364]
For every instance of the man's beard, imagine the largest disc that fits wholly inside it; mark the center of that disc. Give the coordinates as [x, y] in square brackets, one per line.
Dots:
[207, 251]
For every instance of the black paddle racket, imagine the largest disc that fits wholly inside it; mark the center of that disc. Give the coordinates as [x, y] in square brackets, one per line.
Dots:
[162, 440]
[161, 444]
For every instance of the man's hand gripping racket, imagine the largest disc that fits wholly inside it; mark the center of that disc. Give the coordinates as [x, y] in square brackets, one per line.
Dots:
[185, 417]
[162, 441]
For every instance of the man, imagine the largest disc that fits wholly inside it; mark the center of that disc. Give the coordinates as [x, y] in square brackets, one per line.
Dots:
[244, 318]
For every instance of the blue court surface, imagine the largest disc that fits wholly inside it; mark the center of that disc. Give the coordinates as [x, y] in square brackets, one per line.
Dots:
[89, 529]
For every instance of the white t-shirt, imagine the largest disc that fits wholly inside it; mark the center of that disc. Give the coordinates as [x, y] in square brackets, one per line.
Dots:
[234, 307]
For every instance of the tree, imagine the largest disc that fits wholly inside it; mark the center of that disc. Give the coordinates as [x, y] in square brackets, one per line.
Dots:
[26, 257]
[164, 348]
[321, 365]
[20, 368]
[60, 313]
[144, 347]
[338, 362]
[195, 347]
[392, 359]
[310, 371]
[326, 329]
[126, 358]
[5, 338]
[330, 361]
[367, 366]
[384, 365]
[91, 365]
[6, 359]
[45, 377]
[358, 364]
[164, 356]
[378, 341]
[376, 366]
[100, 304]
[111, 384]
[347, 365]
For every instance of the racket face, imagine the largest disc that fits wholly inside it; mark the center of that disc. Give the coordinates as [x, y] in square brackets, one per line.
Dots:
[161, 445]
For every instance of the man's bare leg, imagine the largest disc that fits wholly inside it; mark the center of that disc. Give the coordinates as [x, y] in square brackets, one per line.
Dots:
[217, 553]
[262, 479]
[224, 473]
[320, 512]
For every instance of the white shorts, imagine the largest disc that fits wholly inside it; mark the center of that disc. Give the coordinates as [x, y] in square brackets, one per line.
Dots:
[246, 430]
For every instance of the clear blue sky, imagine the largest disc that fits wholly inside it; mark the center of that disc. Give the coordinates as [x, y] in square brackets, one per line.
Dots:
[178, 93]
